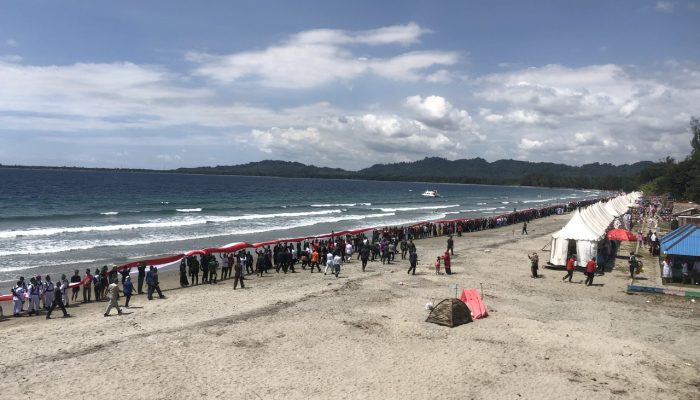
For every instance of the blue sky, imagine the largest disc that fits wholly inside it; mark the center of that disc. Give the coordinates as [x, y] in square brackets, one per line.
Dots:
[163, 84]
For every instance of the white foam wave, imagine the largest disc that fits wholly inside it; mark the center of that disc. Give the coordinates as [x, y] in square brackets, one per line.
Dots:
[47, 248]
[505, 202]
[386, 209]
[335, 205]
[188, 210]
[190, 221]
[481, 204]
[537, 201]
[109, 213]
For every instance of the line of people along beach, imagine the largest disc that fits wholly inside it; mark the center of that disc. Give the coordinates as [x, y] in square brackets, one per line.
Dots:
[42, 294]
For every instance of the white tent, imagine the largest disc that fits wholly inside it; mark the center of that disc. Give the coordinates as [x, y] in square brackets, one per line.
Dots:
[587, 228]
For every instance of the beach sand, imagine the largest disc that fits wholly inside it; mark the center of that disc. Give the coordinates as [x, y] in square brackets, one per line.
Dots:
[363, 335]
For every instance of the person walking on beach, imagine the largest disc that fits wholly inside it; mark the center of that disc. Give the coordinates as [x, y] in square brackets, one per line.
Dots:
[329, 263]
[450, 245]
[64, 289]
[57, 301]
[141, 277]
[113, 295]
[569, 268]
[413, 261]
[437, 266]
[152, 282]
[314, 261]
[534, 263]
[364, 255]
[237, 275]
[76, 289]
[524, 231]
[128, 290]
[590, 271]
[337, 260]
[633, 264]
[48, 292]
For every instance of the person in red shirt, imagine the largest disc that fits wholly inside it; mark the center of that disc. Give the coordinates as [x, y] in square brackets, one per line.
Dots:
[448, 265]
[570, 268]
[590, 272]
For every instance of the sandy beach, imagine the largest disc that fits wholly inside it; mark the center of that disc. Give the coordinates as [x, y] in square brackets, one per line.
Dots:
[363, 335]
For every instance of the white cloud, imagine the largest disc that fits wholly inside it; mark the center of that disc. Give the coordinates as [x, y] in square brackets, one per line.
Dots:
[12, 42]
[593, 113]
[437, 112]
[664, 6]
[319, 57]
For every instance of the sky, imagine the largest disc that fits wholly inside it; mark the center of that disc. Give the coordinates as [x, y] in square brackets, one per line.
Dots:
[348, 84]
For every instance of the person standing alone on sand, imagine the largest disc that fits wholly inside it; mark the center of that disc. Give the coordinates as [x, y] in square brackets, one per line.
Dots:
[569, 268]
[534, 263]
[448, 264]
[524, 232]
[450, 245]
[413, 260]
[237, 275]
[590, 271]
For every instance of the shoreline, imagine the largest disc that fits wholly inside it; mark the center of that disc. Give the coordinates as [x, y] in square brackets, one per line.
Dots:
[364, 335]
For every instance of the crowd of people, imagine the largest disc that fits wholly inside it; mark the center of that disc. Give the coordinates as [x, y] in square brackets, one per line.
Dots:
[384, 245]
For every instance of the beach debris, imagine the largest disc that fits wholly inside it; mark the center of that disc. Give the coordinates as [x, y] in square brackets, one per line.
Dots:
[429, 305]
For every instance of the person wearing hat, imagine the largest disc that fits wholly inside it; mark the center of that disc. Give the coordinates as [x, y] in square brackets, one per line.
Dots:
[534, 263]
[128, 290]
[113, 296]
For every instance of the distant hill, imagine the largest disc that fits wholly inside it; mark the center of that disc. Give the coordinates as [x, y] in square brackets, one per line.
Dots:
[436, 169]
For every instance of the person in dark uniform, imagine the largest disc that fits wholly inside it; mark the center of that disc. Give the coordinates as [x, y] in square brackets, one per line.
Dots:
[57, 301]
[194, 269]
[124, 273]
[152, 282]
[450, 245]
[364, 256]
[76, 289]
[413, 260]
[142, 276]
[524, 232]
[183, 273]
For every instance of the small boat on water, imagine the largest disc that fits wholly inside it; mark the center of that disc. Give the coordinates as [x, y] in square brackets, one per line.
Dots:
[430, 193]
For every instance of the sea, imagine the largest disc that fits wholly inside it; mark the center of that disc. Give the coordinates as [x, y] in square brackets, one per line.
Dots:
[55, 221]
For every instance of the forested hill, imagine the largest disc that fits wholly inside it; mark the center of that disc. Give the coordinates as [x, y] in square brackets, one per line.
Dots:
[435, 169]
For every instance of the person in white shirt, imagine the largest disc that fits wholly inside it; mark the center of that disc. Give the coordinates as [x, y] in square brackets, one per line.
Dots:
[666, 271]
[348, 251]
[33, 291]
[329, 263]
[113, 296]
[17, 299]
[337, 260]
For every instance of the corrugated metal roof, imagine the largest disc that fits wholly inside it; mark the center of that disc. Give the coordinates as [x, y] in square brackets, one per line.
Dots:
[682, 241]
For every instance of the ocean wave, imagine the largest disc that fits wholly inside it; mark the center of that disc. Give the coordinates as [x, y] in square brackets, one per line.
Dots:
[188, 210]
[505, 202]
[109, 213]
[190, 221]
[386, 209]
[51, 247]
[481, 204]
[537, 201]
[52, 263]
[335, 205]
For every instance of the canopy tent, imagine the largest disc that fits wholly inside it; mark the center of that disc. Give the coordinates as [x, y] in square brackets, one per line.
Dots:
[684, 241]
[622, 235]
[586, 228]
